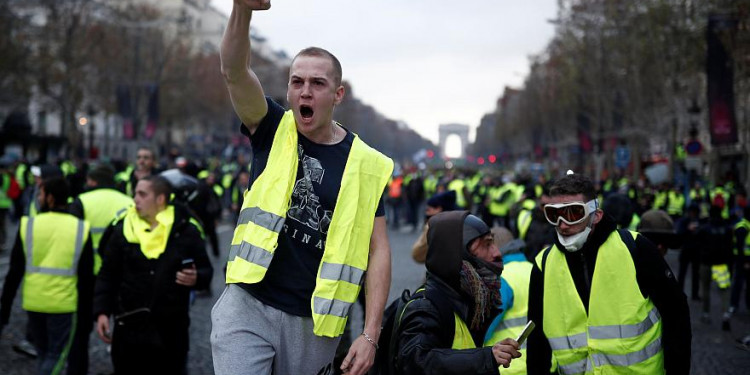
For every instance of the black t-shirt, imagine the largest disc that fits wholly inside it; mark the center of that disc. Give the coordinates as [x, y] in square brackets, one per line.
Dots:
[290, 279]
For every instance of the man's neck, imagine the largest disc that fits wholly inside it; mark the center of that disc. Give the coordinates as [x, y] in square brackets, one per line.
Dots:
[140, 173]
[326, 135]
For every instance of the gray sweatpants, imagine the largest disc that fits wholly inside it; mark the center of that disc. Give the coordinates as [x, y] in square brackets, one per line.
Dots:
[248, 337]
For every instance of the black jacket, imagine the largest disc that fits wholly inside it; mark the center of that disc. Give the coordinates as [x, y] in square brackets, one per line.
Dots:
[655, 280]
[426, 330]
[128, 280]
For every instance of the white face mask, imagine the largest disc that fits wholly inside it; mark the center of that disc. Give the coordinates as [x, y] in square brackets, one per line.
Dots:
[575, 242]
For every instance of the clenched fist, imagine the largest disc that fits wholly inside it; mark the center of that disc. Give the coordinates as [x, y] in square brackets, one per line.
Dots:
[254, 4]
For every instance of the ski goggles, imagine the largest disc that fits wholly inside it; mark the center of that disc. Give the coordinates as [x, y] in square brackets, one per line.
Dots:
[569, 213]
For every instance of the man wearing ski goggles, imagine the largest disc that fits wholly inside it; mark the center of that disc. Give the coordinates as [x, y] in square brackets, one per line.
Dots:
[570, 213]
[598, 278]
[573, 219]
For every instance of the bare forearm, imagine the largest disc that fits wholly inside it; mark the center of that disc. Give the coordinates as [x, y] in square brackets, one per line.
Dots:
[377, 286]
[235, 46]
[244, 87]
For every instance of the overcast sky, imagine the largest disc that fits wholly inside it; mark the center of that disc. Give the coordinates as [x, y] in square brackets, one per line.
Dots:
[424, 62]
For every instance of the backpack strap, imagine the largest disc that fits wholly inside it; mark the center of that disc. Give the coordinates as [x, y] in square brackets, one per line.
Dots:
[628, 238]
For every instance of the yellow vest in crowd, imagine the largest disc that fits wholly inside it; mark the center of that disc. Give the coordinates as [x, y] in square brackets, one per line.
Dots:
[622, 330]
[52, 243]
[100, 208]
[462, 337]
[347, 244]
[744, 223]
[517, 274]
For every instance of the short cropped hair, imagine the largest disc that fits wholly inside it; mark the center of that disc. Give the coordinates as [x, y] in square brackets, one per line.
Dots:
[320, 52]
[149, 149]
[159, 185]
[573, 184]
[58, 188]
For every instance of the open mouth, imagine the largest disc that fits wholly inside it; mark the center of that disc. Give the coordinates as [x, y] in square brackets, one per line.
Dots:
[306, 111]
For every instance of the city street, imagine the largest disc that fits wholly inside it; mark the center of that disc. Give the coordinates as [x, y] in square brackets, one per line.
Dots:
[714, 351]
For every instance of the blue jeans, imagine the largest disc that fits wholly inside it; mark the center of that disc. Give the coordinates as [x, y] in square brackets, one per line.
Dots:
[52, 339]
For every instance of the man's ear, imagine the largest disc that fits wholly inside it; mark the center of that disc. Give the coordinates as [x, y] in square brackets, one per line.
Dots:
[49, 200]
[161, 200]
[340, 91]
[598, 215]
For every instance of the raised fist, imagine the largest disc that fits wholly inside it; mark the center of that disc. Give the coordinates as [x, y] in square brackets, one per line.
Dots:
[254, 4]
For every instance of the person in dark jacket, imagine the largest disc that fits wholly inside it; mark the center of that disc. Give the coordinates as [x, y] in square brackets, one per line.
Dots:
[588, 241]
[153, 256]
[715, 241]
[441, 330]
[540, 233]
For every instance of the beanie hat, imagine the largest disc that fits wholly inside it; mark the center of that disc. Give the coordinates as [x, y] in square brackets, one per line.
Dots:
[445, 200]
[657, 226]
[514, 246]
[474, 228]
[502, 236]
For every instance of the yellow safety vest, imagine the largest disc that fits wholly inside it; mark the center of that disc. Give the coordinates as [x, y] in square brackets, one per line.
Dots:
[498, 208]
[517, 274]
[725, 195]
[744, 223]
[347, 244]
[5, 201]
[462, 337]
[523, 222]
[622, 330]
[53, 243]
[676, 203]
[634, 222]
[660, 198]
[720, 274]
[100, 208]
[458, 185]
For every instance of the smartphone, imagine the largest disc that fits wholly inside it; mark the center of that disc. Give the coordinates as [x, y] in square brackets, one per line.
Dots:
[526, 332]
[187, 263]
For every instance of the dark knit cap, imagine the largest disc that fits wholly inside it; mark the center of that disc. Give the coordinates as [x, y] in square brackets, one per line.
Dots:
[474, 228]
[657, 226]
[445, 200]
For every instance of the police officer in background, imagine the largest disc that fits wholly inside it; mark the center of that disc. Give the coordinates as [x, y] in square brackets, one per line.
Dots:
[58, 279]
[603, 299]
[99, 207]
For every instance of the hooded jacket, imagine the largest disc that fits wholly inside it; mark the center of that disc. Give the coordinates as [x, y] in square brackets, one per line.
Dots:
[426, 333]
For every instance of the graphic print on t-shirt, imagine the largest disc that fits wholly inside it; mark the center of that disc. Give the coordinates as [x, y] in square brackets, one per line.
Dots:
[305, 207]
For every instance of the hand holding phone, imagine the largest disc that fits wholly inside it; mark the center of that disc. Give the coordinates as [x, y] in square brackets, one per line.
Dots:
[526, 332]
[187, 275]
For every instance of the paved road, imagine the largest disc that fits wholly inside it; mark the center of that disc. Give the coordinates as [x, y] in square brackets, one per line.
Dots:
[714, 351]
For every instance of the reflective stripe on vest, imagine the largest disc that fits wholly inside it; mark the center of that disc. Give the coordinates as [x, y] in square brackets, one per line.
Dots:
[100, 208]
[621, 327]
[720, 274]
[53, 243]
[517, 275]
[345, 256]
[462, 337]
